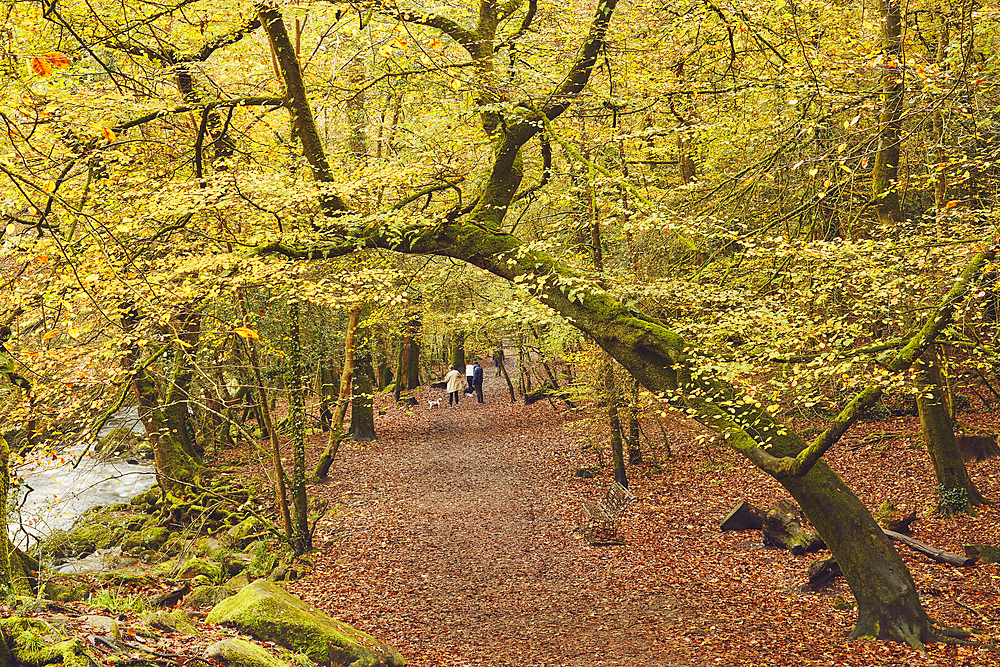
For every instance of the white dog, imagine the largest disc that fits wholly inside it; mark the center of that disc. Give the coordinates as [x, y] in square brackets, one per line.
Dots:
[434, 404]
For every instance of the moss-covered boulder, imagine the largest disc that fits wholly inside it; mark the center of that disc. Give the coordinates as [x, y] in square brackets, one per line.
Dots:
[97, 528]
[149, 539]
[246, 531]
[237, 582]
[241, 653]
[199, 567]
[146, 501]
[35, 643]
[208, 596]
[61, 589]
[267, 612]
[173, 621]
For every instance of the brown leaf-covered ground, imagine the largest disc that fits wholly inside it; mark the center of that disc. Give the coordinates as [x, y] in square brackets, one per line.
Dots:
[452, 538]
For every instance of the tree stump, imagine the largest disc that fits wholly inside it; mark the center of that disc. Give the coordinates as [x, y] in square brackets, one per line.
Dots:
[902, 524]
[783, 528]
[822, 572]
[743, 517]
[986, 553]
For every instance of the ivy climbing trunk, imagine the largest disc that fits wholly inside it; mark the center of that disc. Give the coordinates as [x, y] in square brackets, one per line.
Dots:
[343, 398]
[958, 493]
[14, 573]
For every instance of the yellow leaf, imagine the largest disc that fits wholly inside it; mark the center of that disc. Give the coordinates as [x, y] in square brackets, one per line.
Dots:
[57, 59]
[41, 66]
[109, 134]
[246, 333]
[399, 43]
[73, 331]
[50, 334]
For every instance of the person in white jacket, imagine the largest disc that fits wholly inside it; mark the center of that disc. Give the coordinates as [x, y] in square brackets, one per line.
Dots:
[454, 380]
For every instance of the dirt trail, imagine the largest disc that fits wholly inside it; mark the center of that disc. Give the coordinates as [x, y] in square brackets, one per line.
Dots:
[457, 537]
[454, 542]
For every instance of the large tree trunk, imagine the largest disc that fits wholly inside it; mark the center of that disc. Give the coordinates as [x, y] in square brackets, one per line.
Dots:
[957, 491]
[612, 395]
[177, 401]
[362, 405]
[634, 452]
[177, 466]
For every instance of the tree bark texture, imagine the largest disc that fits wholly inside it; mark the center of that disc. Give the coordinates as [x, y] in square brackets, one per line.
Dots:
[612, 395]
[14, 575]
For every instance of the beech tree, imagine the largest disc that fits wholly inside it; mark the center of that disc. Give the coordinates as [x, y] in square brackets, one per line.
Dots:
[888, 605]
[765, 250]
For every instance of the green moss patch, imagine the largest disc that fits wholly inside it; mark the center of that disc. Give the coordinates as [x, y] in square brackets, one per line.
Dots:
[267, 612]
[241, 653]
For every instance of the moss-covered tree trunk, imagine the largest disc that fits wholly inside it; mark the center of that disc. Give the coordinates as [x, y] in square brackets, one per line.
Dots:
[456, 356]
[634, 452]
[957, 491]
[177, 399]
[14, 574]
[326, 379]
[177, 466]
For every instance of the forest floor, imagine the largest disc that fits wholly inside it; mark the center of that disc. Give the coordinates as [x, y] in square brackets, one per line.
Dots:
[453, 539]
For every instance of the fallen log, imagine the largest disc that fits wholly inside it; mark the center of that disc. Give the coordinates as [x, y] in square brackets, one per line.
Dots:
[938, 555]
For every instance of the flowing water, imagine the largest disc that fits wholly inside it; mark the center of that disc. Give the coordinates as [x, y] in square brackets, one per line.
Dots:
[52, 493]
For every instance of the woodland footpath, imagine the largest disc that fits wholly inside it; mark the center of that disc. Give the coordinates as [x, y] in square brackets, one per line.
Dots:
[453, 539]
[455, 543]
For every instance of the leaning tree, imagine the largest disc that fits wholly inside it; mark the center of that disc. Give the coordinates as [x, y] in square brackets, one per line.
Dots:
[208, 229]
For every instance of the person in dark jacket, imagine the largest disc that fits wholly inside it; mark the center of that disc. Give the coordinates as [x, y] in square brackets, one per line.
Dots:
[477, 381]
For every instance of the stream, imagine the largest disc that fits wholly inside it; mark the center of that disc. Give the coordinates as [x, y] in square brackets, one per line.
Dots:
[57, 493]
